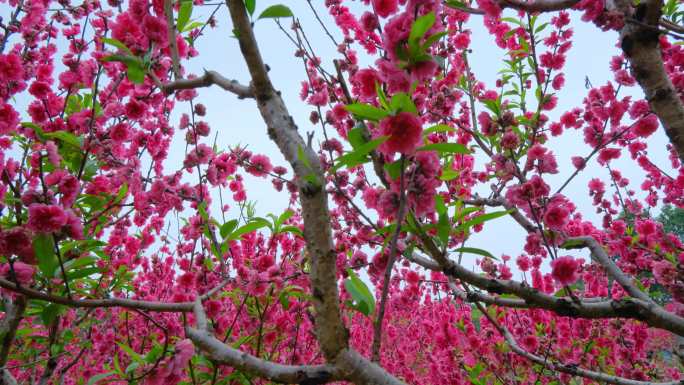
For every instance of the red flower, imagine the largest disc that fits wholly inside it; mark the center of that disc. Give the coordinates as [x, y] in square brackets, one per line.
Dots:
[135, 109]
[369, 21]
[385, 8]
[22, 272]
[404, 130]
[646, 126]
[17, 241]
[556, 217]
[260, 165]
[565, 270]
[46, 218]
[365, 80]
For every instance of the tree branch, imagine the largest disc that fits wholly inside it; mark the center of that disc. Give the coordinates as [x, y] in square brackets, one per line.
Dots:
[109, 302]
[223, 354]
[330, 330]
[210, 78]
[641, 44]
[630, 308]
[173, 45]
[14, 312]
[565, 368]
[286, 374]
[538, 5]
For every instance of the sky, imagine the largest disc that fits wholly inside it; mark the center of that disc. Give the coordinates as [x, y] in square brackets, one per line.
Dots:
[238, 121]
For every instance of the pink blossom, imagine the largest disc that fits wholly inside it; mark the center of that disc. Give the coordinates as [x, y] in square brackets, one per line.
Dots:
[646, 126]
[385, 8]
[404, 131]
[22, 272]
[365, 81]
[17, 241]
[259, 165]
[565, 270]
[46, 218]
[556, 217]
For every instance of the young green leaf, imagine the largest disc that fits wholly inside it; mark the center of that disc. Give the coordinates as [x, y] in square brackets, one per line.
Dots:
[418, 30]
[248, 228]
[481, 219]
[363, 299]
[99, 377]
[474, 250]
[184, 14]
[116, 43]
[359, 155]
[402, 102]
[438, 128]
[450, 148]
[366, 111]
[44, 248]
[228, 227]
[250, 5]
[276, 11]
[393, 169]
[356, 137]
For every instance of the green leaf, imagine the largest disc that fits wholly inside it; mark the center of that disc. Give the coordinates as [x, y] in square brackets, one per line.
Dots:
[363, 299]
[366, 111]
[65, 137]
[481, 219]
[50, 312]
[438, 128]
[248, 228]
[393, 169]
[292, 229]
[572, 244]
[356, 137]
[287, 214]
[382, 97]
[44, 248]
[290, 291]
[228, 227]
[359, 155]
[131, 353]
[76, 263]
[153, 355]
[443, 228]
[184, 14]
[442, 148]
[301, 155]
[402, 102]
[474, 250]
[418, 30]
[440, 207]
[432, 39]
[82, 273]
[121, 194]
[134, 66]
[276, 11]
[99, 377]
[455, 4]
[193, 25]
[116, 43]
[132, 367]
[448, 174]
[250, 5]
[135, 73]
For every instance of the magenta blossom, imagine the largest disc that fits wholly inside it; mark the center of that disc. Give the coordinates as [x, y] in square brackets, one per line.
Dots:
[404, 130]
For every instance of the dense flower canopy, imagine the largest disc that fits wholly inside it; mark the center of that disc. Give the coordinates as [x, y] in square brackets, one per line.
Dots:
[122, 261]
